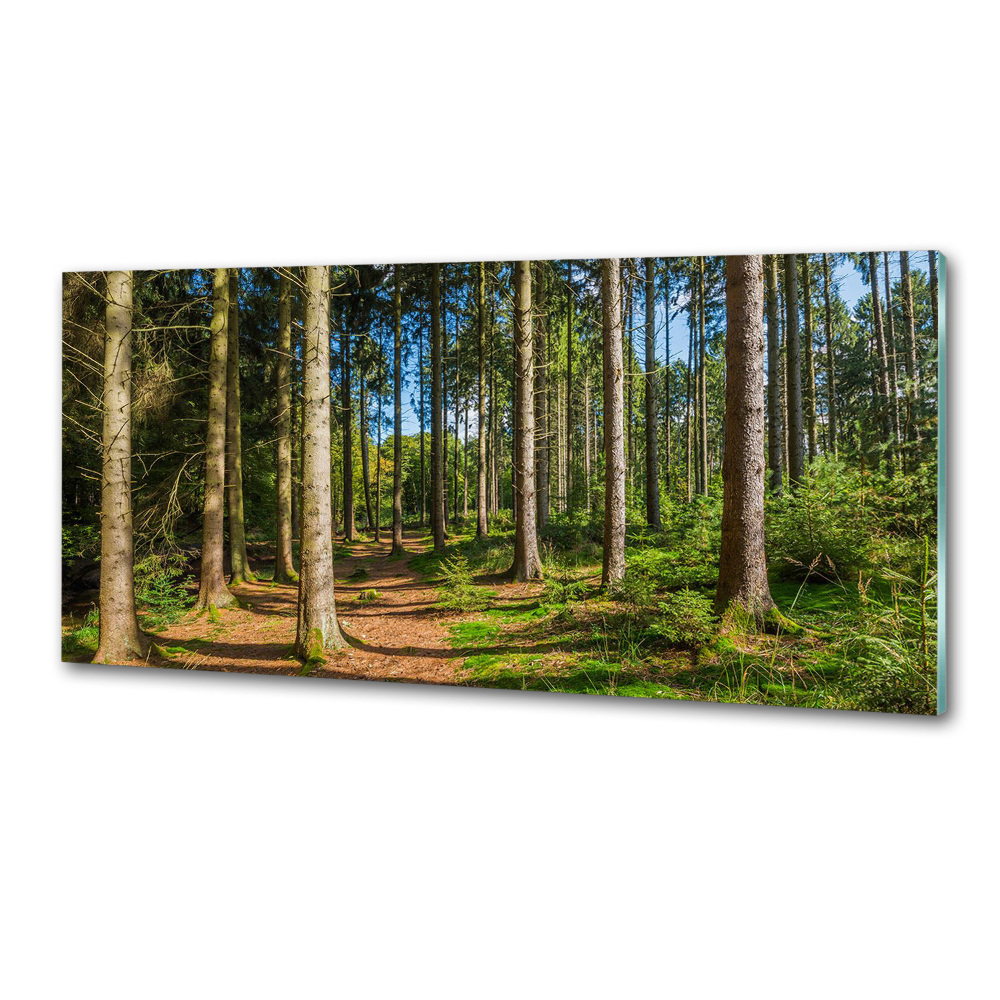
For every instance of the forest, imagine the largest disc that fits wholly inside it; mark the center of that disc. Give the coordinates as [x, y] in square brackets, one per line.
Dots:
[710, 478]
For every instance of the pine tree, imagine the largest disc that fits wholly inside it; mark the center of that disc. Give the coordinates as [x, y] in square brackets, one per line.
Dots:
[613, 567]
[120, 638]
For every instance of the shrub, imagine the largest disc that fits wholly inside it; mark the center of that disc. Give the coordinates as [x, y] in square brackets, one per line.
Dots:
[458, 591]
[162, 588]
[685, 618]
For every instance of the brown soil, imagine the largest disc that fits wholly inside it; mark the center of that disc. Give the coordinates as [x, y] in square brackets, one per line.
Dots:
[400, 636]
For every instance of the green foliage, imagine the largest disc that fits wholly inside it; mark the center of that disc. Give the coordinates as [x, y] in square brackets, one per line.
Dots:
[81, 541]
[843, 521]
[80, 644]
[360, 573]
[367, 596]
[162, 588]
[685, 618]
[458, 592]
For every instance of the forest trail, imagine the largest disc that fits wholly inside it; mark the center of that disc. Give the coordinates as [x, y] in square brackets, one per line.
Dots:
[400, 635]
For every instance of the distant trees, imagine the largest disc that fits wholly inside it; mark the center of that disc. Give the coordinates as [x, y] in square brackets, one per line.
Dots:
[318, 630]
[120, 637]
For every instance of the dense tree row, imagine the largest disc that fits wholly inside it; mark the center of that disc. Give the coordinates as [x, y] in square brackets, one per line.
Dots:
[256, 404]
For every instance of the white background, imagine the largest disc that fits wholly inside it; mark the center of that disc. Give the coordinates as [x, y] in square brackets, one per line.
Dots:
[201, 836]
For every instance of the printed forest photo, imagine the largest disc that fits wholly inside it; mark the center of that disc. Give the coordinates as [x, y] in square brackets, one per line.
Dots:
[710, 478]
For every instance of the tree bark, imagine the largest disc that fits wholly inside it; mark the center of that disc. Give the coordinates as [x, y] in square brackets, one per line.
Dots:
[702, 380]
[742, 562]
[613, 567]
[527, 564]
[437, 437]
[880, 351]
[348, 433]
[482, 525]
[796, 460]
[652, 456]
[892, 361]
[213, 590]
[831, 367]
[932, 274]
[569, 386]
[913, 365]
[541, 397]
[234, 443]
[666, 376]
[284, 563]
[318, 630]
[120, 637]
[775, 434]
[810, 391]
[397, 415]
[363, 435]
[423, 462]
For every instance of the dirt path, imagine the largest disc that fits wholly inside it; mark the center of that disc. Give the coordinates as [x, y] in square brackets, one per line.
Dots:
[398, 636]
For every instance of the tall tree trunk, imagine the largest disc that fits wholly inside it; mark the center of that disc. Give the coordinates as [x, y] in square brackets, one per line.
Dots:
[688, 403]
[742, 562]
[880, 352]
[363, 435]
[284, 563]
[810, 392]
[796, 460]
[482, 525]
[913, 365]
[527, 564]
[423, 463]
[437, 436]
[444, 408]
[652, 458]
[120, 637]
[465, 464]
[587, 438]
[775, 435]
[932, 275]
[703, 379]
[569, 386]
[345, 409]
[541, 397]
[378, 466]
[831, 366]
[318, 630]
[234, 442]
[213, 591]
[629, 368]
[397, 415]
[613, 567]
[892, 358]
[666, 375]
[458, 370]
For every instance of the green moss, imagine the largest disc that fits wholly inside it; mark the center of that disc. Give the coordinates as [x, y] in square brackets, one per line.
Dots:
[465, 634]
[315, 652]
